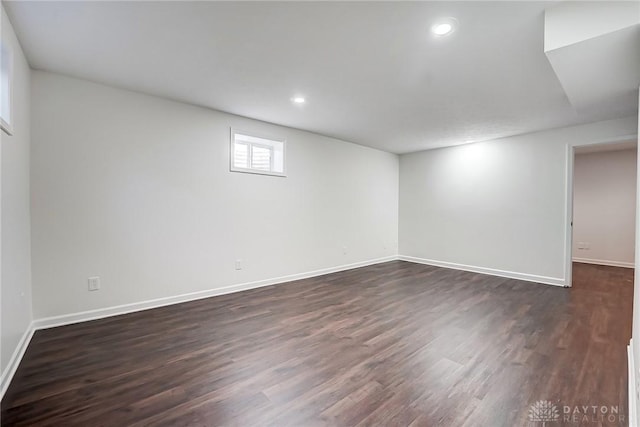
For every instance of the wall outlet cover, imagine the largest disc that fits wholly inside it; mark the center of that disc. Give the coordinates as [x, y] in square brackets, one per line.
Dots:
[94, 283]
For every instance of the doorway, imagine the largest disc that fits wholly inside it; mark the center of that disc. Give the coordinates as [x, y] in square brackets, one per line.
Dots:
[602, 206]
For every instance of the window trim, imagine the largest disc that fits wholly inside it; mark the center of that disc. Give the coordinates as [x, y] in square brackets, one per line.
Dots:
[7, 127]
[233, 168]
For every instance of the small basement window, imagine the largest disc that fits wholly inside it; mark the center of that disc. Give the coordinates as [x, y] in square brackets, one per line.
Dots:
[6, 68]
[256, 154]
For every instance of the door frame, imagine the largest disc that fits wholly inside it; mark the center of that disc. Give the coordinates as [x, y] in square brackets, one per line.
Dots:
[568, 225]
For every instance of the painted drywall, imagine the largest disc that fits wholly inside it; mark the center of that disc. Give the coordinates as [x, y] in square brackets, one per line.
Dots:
[498, 205]
[137, 190]
[15, 288]
[635, 351]
[604, 207]
[568, 23]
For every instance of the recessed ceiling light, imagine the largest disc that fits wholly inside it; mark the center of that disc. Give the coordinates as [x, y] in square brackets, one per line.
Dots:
[298, 100]
[444, 27]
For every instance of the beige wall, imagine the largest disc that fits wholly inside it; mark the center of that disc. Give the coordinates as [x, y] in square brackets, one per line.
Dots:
[604, 208]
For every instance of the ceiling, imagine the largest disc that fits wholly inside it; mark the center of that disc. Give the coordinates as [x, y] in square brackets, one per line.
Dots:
[594, 50]
[371, 72]
[599, 148]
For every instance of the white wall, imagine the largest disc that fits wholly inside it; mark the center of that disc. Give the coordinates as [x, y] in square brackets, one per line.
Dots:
[568, 23]
[15, 289]
[496, 206]
[137, 190]
[635, 351]
[604, 207]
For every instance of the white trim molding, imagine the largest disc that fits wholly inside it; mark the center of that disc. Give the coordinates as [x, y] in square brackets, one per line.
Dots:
[605, 262]
[568, 212]
[84, 316]
[556, 281]
[633, 410]
[15, 360]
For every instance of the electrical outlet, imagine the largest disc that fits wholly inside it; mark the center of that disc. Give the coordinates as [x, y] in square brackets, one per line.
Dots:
[94, 283]
[238, 264]
[344, 250]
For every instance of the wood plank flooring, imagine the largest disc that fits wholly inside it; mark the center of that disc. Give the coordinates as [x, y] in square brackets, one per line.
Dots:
[394, 344]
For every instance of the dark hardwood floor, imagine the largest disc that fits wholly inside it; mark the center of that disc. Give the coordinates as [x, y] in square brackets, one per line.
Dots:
[395, 344]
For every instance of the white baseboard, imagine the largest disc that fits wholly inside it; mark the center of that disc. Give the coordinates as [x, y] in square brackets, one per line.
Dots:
[484, 270]
[633, 410]
[605, 262]
[67, 319]
[50, 322]
[16, 357]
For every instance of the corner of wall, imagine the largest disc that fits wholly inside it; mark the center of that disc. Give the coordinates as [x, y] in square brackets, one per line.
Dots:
[16, 323]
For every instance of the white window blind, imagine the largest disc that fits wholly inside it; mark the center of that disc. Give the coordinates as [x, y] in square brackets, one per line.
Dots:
[6, 67]
[255, 154]
[241, 156]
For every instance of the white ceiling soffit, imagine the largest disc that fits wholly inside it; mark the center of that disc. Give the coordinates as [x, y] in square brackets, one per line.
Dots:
[599, 148]
[594, 49]
[371, 72]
